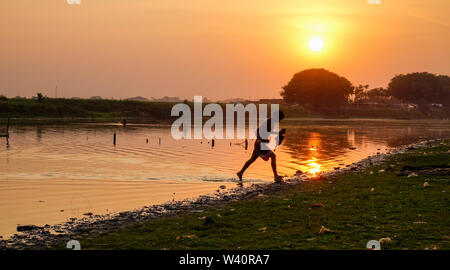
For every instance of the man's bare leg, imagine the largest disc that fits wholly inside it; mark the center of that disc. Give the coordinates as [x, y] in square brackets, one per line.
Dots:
[246, 165]
[273, 162]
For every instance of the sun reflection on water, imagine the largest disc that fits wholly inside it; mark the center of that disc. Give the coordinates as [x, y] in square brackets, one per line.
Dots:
[314, 167]
[313, 163]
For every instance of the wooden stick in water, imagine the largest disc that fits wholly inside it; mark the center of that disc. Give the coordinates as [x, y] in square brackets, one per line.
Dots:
[7, 128]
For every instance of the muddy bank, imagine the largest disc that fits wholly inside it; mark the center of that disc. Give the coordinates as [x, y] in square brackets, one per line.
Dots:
[48, 236]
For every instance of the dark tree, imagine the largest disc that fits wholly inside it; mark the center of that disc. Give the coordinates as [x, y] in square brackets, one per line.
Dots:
[319, 89]
[444, 82]
[420, 88]
[40, 97]
[360, 92]
[377, 95]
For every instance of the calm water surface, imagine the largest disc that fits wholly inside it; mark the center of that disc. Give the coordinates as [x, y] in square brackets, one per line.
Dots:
[49, 173]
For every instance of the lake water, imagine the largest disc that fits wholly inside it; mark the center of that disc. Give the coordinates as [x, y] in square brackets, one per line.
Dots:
[49, 173]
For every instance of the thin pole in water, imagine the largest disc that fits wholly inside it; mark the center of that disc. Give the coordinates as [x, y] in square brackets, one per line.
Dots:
[114, 139]
[246, 144]
[7, 128]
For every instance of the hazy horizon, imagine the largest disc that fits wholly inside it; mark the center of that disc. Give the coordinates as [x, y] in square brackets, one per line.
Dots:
[219, 50]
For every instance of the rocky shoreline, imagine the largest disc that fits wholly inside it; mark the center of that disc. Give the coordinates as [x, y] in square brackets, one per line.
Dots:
[49, 236]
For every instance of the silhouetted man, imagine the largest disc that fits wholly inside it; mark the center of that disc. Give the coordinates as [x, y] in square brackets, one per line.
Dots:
[258, 150]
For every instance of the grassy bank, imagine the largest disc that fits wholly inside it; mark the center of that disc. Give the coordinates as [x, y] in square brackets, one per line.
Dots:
[83, 108]
[105, 110]
[76, 110]
[376, 203]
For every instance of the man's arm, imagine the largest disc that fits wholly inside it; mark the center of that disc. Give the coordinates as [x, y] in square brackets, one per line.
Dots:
[281, 136]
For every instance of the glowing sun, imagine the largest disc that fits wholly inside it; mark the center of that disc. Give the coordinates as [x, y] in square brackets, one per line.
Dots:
[316, 44]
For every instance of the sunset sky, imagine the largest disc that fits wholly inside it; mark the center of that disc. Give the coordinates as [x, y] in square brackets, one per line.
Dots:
[218, 49]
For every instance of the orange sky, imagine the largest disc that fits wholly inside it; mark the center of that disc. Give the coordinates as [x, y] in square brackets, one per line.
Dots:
[218, 49]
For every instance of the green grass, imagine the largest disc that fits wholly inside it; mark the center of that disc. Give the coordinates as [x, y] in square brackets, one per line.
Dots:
[401, 208]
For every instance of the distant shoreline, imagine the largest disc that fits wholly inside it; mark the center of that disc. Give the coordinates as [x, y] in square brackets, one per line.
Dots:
[105, 110]
[167, 122]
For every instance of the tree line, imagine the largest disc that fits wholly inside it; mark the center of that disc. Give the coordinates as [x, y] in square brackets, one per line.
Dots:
[324, 91]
